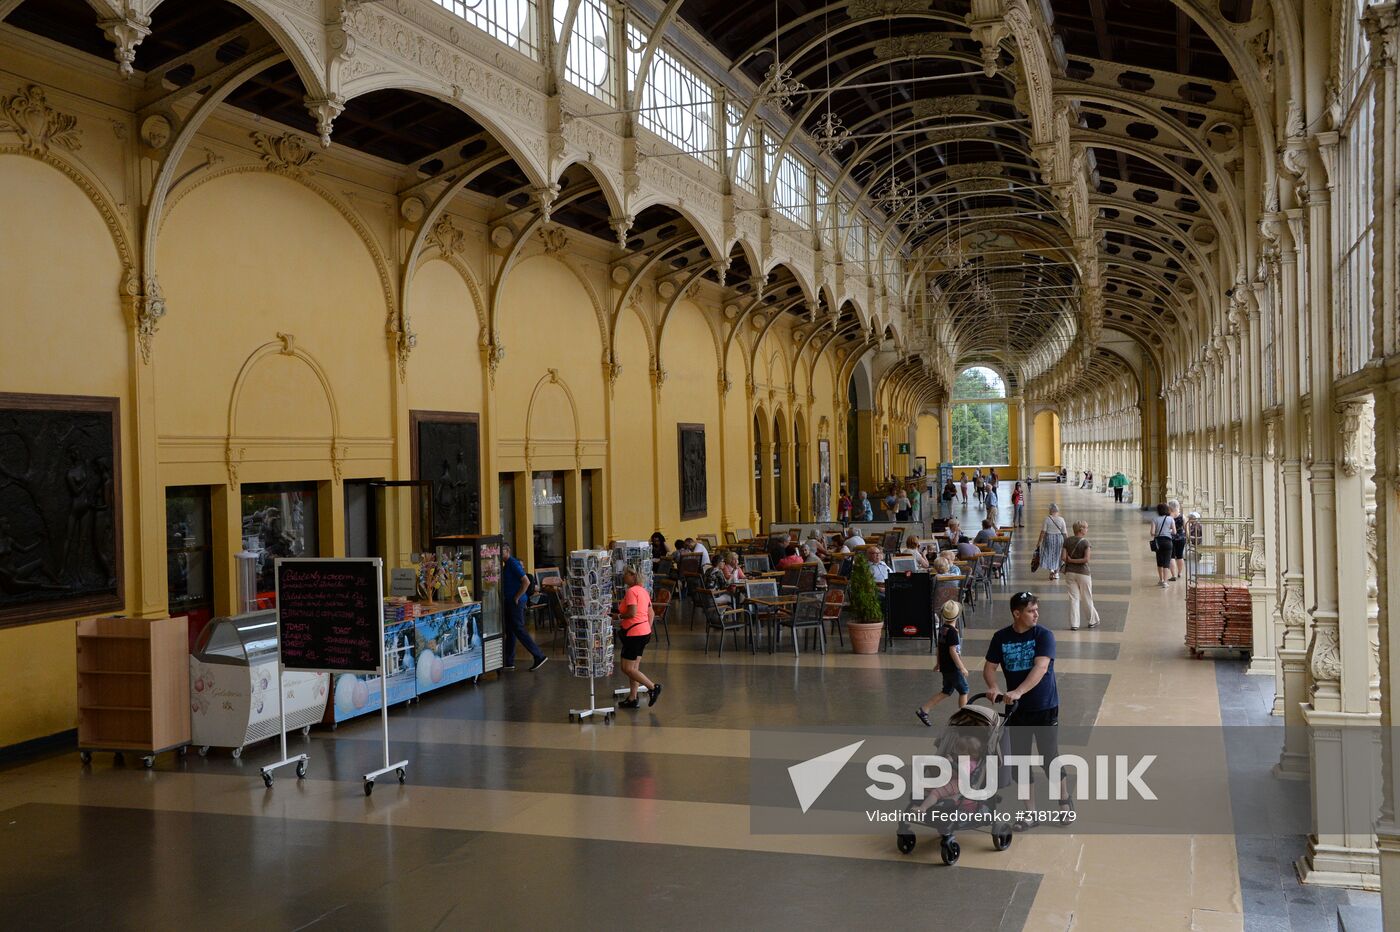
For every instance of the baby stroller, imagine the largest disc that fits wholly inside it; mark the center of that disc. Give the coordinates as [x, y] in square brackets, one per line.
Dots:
[972, 728]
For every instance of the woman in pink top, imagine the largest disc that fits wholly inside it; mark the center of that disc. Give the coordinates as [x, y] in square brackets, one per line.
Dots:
[634, 614]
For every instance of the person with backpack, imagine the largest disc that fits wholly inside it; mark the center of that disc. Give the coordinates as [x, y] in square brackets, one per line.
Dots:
[516, 586]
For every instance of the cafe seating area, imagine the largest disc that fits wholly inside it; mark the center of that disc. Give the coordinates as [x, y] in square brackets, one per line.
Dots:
[801, 605]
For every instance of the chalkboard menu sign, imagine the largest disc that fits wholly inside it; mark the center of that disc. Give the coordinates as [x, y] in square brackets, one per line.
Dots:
[330, 614]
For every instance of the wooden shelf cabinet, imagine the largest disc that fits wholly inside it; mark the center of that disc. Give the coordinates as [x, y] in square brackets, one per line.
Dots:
[133, 685]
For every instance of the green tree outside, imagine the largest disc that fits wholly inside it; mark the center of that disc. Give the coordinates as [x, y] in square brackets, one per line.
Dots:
[981, 430]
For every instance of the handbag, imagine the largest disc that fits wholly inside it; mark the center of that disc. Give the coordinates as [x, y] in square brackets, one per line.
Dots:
[1035, 561]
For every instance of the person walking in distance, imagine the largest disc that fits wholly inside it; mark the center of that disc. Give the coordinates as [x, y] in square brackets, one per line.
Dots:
[1018, 506]
[1024, 651]
[634, 616]
[516, 587]
[1081, 587]
[949, 663]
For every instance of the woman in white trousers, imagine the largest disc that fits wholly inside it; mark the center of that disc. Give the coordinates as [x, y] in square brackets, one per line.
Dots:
[1075, 559]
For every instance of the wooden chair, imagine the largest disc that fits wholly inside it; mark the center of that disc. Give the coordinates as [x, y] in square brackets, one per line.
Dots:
[731, 538]
[742, 534]
[710, 541]
[724, 619]
[660, 607]
[807, 615]
[790, 581]
[832, 606]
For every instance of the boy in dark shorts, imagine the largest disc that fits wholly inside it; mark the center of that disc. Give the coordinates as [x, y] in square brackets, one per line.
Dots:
[949, 663]
[634, 616]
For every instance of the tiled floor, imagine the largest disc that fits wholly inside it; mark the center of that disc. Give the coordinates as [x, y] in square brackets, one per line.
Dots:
[514, 818]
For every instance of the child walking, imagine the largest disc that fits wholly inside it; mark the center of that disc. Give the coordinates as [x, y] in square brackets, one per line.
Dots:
[950, 662]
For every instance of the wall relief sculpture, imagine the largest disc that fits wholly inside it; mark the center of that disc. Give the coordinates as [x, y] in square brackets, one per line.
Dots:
[60, 507]
[694, 491]
[447, 452]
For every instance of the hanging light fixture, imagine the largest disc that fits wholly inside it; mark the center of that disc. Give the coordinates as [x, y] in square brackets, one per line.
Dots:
[781, 86]
[829, 135]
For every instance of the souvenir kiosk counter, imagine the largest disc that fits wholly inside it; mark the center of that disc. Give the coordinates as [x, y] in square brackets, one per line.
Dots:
[427, 645]
[234, 700]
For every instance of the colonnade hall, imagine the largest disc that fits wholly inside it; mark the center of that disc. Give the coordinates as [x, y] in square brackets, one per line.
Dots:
[700, 464]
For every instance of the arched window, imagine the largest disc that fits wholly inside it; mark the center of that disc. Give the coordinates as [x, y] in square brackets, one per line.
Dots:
[980, 427]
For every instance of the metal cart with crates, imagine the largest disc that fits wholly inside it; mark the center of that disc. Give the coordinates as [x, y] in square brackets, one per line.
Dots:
[1219, 613]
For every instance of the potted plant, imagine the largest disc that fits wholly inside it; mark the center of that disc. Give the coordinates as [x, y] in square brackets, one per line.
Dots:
[867, 617]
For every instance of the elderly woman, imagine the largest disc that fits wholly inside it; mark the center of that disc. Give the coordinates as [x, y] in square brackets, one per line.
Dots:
[1052, 541]
[912, 549]
[730, 569]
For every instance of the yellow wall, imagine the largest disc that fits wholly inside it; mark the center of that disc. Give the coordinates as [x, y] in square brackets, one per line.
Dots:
[930, 436]
[275, 290]
[64, 333]
[1047, 439]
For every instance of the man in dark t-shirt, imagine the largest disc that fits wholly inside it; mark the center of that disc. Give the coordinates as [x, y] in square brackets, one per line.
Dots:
[1025, 653]
[515, 586]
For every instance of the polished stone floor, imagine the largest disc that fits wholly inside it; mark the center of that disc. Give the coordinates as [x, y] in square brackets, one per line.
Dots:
[514, 818]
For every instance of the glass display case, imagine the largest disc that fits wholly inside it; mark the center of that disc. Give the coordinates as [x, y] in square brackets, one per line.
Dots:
[234, 699]
[476, 560]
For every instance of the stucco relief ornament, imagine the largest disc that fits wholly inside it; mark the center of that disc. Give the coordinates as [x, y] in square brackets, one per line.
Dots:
[1350, 429]
[1294, 614]
[125, 33]
[407, 340]
[554, 238]
[1324, 655]
[860, 9]
[150, 308]
[446, 237]
[39, 126]
[285, 154]
[495, 353]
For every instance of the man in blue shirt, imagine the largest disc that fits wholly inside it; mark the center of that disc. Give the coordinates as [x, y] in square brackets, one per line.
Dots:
[1025, 652]
[515, 586]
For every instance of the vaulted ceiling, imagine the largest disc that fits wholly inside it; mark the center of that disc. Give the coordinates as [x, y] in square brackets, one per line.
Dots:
[941, 144]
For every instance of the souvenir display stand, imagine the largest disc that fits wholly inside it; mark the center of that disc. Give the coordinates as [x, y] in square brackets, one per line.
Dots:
[234, 699]
[634, 555]
[590, 588]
